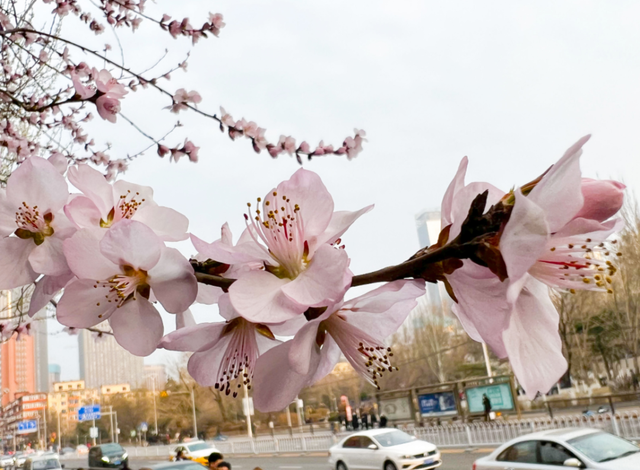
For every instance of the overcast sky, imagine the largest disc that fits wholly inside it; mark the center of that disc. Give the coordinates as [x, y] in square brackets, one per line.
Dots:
[510, 84]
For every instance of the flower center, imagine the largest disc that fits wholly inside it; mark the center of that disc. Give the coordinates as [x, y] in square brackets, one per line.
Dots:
[236, 368]
[368, 356]
[125, 286]
[582, 264]
[32, 224]
[126, 208]
[281, 229]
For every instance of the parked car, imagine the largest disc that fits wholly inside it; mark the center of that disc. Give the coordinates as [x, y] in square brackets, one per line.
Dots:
[108, 455]
[564, 448]
[385, 449]
[46, 461]
[6, 461]
[197, 451]
[19, 458]
[181, 465]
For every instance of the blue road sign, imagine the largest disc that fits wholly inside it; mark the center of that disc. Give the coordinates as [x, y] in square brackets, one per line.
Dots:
[26, 427]
[88, 413]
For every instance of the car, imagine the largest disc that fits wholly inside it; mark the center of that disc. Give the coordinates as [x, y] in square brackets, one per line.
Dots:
[108, 455]
[19, 458]
[181, 465]
[564, 448]
[6, 461]
[384, 449]
[197, 451]
[67, 450]
[46, 461]
[82, 449]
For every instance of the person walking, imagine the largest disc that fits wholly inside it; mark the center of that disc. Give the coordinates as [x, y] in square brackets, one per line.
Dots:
[215, 459]
[486, 403]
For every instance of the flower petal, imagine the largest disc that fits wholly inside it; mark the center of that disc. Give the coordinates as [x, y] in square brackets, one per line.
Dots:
[303, 347]
[46, 288]
[340, 222]
[85, 259]
[193, 338]
[204, 365]
[185, 319]
[48, 258]
[559, 191]
[453, 189]
[137, 326]
[524, 238]
[83, 212]
[306, 189]
[275, 386]
[463, 200]
[173, 281]
[15, 270]
[224, 253]
[208, 295]
[170, 225]
[482, 307]
[82, 305]
[38, 183]
[93, 185]
[318, 283]
[7, 215]
[258, 297]
[532, 340]
[382, 311]
[132, 243]
[602, 199]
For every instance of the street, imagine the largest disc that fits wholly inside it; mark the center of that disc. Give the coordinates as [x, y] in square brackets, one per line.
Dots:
[453, 459]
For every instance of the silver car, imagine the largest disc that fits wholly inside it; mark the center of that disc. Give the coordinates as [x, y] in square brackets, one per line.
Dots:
[563, 448]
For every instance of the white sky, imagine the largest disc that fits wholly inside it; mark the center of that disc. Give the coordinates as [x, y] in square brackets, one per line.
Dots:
[510, 84]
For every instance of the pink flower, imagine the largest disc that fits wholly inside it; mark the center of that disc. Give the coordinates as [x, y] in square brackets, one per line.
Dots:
[356, 329]
[293, 234]
[83, 91]
[225, 353]
[288, 144]
[602, 199]
[47, 287]
[107, 84]
[354, 144]
[116, 278]
[216, 20]
[103, 204]
[182, 98]
[251, 129]
[108, 108]
[226, 118]
[191, 150]
[31, 209]
[185, 319]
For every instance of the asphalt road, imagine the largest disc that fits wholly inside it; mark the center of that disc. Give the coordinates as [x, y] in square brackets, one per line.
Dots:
[452, 460]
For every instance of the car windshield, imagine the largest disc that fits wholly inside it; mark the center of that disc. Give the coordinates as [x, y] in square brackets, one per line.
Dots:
[111, 449]
[602, 446]
[393, 438]
[46, 464]
[197, 446]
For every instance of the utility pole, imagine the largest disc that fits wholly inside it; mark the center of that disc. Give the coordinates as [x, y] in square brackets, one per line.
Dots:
[46, 437]
[59, 435]
[116, 419]
[155, 412]
[485, 351]
[111, 422]
[193, 406]
[247, 411]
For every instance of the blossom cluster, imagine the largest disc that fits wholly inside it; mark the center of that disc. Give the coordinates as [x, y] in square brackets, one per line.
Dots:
[282, 287]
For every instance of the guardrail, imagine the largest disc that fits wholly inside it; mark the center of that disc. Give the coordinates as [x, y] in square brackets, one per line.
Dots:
[493, 433]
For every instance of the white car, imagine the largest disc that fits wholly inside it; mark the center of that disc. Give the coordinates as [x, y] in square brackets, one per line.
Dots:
[198, 451]
[383, 449]
[563, 448]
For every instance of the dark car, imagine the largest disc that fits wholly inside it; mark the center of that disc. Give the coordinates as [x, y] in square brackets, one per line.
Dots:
[108, 455]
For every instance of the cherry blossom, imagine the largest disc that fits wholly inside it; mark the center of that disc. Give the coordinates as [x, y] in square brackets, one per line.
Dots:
[103, 204]
[356, 328]
[182, 98]
[225, 353]
[32, 224]
[293, 234]
[117, 276]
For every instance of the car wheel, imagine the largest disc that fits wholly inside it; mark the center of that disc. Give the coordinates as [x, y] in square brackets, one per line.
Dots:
[389, 466]
[341, 466]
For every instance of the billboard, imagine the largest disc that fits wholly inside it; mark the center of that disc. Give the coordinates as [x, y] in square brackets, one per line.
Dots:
[437, 404]
[395, 409]
[499, 395]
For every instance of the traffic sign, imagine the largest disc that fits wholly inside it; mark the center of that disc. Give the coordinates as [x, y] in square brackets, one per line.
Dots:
[26, 427]
[88, 413]
[93, 432]
[143, 427]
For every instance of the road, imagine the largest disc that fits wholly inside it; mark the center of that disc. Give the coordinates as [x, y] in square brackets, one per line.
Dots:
[452, 460]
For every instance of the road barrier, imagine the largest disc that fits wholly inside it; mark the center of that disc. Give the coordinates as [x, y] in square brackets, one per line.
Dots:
[476, 434]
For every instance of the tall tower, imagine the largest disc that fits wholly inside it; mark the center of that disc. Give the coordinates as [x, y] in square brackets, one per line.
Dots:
[40, 333]
[104, 362]
[17, 357]
[428, 225]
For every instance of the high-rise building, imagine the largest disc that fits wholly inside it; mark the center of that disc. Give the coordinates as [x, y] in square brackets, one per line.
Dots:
[103, 361]
[428, 224]
[17, 356]
[40, 333]
[155, 376]
[54, 375]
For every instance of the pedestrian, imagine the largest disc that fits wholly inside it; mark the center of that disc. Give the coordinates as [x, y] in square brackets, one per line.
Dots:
[180, 456]
[215, 459]
[486, 403]
[383, 421]
[224, 466]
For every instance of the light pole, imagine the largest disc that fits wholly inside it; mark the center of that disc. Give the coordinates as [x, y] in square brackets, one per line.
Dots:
[193, 406]
[155, 412]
